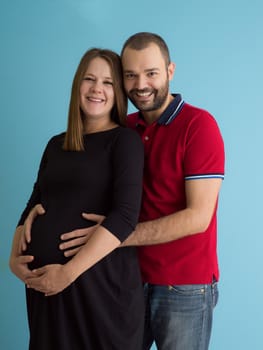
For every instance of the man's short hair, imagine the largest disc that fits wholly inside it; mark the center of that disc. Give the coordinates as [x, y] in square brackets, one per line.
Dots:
[141, 40]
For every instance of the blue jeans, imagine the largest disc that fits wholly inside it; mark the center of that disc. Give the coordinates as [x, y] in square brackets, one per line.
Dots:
[179, 317]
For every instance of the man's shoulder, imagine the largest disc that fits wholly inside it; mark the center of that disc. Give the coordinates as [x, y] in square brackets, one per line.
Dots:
[199, 112]
[195, 110]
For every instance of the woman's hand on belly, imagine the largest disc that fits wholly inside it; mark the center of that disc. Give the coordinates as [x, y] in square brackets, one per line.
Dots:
[18, 263]
[26, 237]
[19, 266]
[50, 279]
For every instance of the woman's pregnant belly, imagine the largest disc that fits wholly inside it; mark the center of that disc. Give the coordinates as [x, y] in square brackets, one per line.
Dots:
[45, 236]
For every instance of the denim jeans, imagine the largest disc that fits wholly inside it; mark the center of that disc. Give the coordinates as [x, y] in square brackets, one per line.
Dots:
[179, 317]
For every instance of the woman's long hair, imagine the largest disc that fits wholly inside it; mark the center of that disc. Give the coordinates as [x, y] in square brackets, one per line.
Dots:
[74, 134]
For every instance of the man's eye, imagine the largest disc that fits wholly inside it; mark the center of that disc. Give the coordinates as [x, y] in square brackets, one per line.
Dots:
[152, 74]
[129, 76]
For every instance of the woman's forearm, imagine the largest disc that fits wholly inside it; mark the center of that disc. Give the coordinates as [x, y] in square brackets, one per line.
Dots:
[99, 245]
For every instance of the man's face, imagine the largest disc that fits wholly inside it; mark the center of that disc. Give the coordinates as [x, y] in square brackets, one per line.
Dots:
[146, 78]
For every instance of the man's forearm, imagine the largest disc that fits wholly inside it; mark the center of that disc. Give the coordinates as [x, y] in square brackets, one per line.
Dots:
[142, 235]
[201, 200]
[166, 229]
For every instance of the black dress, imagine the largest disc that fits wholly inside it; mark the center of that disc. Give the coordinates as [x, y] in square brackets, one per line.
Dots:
[103, 309]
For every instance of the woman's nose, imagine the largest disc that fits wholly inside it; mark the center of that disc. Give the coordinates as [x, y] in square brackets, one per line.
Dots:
[97, 86]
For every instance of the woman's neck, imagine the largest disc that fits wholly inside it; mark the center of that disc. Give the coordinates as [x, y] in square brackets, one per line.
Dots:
[92, 127]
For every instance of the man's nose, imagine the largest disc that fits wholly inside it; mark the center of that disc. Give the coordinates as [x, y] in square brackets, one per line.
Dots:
[141, 82]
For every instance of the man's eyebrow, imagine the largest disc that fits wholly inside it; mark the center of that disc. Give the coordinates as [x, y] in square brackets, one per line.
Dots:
[146, 70]
[151, 69]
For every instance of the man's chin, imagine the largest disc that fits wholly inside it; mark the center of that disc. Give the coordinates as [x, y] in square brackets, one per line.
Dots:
[143, 105]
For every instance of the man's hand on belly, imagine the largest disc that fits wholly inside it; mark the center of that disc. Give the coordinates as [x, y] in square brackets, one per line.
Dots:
[77, 238]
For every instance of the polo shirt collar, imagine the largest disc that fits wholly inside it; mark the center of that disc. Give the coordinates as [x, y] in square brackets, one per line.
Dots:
[171, 111]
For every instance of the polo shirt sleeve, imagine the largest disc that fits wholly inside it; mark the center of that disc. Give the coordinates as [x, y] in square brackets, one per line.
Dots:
[204, 148]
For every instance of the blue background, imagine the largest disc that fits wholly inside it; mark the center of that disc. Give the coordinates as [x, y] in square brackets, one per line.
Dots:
[218, 49]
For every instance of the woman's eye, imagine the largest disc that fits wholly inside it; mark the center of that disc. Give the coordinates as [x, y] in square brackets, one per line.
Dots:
[108, 82]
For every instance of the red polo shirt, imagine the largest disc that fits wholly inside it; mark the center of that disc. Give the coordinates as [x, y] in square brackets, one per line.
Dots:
[183, 144]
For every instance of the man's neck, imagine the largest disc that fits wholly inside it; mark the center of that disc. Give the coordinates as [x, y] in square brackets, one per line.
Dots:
[151, 116]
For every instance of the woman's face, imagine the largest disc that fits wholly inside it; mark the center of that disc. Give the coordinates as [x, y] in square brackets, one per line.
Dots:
[96, 90]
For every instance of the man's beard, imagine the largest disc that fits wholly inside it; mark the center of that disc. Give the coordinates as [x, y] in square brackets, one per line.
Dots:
[160, 97]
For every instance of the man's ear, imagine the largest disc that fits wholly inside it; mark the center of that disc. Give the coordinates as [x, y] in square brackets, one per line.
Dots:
[171, 70]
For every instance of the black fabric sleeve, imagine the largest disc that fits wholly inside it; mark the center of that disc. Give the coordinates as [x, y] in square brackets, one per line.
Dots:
[127, 162]
[35, 197]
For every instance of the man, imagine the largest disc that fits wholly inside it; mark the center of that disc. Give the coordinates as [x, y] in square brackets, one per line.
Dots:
[176, 236]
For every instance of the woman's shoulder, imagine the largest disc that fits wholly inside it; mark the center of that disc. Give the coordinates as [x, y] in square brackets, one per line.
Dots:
[126, 132]
[128, 138]
[57, 139]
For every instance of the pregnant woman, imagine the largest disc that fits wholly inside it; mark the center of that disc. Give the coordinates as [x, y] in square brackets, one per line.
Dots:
[93, 301]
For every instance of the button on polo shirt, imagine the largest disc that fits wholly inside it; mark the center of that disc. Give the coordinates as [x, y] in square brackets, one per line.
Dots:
[147, 131]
